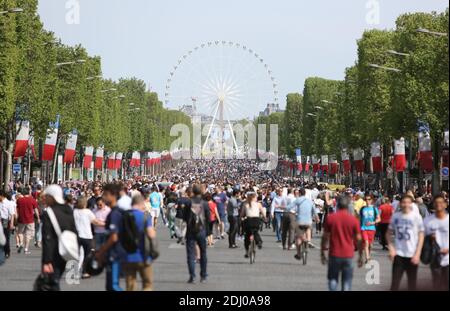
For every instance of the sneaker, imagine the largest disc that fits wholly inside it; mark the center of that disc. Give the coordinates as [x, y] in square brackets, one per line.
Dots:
[297, 257]
[191, 281]
[311, 245]
[19, 249]
[27, 252]
[246, 256]
[203, 280]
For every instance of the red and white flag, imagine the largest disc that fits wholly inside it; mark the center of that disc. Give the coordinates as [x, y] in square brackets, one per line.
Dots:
[308, 163]
[425, 152]
[111, 165]
[71, 147]
[316, 163]
[99, 154]
[345, 161]
[22, 137]
[324, 160]
[358, 159]
[399, 155]
[119, 157]
[33, 151]
[333, 165]
[375, 152]
[50, 141]
[135, 159]
[88, 153]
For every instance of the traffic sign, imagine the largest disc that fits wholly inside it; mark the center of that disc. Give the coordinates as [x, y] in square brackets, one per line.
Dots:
[17, 168]
[444, 173]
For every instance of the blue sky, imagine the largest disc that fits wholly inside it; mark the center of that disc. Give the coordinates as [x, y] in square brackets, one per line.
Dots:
[298, 39]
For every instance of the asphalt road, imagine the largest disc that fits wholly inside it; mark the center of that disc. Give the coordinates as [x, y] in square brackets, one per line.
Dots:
[274, 270]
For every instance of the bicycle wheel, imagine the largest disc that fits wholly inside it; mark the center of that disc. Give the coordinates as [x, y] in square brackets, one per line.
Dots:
[252, 250]
[304, 252]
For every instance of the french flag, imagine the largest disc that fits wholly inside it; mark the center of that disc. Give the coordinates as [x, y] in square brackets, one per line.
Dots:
[33, 151]
[50, 141]
[399, 155]
[375, 152]
[308, 163]
[135, 159]
[22, 137]
[119, 157]
[333, 165]
[346, 161]
[316, 163]
[358, 159]
[98, 165]
[425, 152]
[298, 154]
[324, 163]
[71, 146]
[111, 165]
[149, 161]
[88, 153]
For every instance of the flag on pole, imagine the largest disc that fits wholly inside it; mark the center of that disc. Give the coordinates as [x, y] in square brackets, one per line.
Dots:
[135, 159]
[71, 145]
[425, 152]
[99, 154]
[119, 157]
[375, 152]
[333, 165]
[22, 137]
[399, 155]
[88, 153]
[316, 162]
[298, 155]
[358, 158]
[50, 141]
[346, 161]
[33, 151]
[111, 164]
[308, 163]
[324, 160]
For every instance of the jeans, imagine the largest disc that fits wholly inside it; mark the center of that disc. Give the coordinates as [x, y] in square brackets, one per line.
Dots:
[7, 232]
[400, 265]
[338, 266]
[191, 240]
[440, 278]
[113, 276]
[288, 229]
[37, 232]
[278, 217]
[100, 239]
[233, 220]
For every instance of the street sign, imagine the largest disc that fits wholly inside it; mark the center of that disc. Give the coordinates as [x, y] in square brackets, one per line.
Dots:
[17, 168]
[444, 173]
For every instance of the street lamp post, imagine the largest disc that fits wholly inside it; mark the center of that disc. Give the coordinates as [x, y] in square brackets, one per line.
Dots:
[11, 11]
[434, 33]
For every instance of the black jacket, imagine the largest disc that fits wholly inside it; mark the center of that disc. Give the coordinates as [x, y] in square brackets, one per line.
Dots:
[50, 253]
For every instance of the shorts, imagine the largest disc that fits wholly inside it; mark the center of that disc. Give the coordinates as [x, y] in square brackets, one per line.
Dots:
[301, 229]
[27, 230]
[155, 212]
[368, 235]
[223, 217]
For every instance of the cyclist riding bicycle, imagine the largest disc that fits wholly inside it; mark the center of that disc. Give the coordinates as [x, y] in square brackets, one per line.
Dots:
[305, 213]
[251, 213]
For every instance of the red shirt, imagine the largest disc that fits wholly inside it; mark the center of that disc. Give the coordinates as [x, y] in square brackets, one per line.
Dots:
[25, 209]
[343, 228]
[386, 211]
[212, 210]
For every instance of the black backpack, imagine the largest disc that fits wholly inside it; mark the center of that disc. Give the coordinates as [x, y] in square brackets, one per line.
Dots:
[129, 235]
[196, 221]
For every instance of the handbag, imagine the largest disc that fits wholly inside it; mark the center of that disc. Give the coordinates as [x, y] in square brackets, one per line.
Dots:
[430, 252]
[45, 283]
[67, 240]
[150, 245]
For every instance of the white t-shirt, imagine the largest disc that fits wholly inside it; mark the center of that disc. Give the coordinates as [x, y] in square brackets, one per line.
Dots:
[406, 228]
[439, 227]
[83, 219]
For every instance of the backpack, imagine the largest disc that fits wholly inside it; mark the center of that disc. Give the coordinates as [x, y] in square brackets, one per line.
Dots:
[196, 222]
[67, 240]
[430, 252]
[129, 235]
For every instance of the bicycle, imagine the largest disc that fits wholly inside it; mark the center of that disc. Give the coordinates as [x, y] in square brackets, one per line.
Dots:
[304, 246]
[252, 249]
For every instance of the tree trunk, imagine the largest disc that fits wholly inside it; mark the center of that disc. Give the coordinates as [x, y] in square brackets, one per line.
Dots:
[436, 181]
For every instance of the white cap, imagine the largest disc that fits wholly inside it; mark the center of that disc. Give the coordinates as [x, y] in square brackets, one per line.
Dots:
[56, 192]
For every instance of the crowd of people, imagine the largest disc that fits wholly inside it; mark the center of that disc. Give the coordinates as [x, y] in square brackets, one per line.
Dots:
[202, 202]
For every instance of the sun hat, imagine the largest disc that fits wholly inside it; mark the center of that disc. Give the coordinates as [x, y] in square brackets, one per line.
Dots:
[55, 192]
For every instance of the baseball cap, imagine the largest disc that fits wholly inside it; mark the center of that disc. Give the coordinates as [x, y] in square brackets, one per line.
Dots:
[56, 192]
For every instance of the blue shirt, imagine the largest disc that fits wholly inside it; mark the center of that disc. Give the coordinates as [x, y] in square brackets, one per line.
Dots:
[155, 200]
[368, 214]
[113, 224]
[138, 256]
[220, 199]
[305, 211]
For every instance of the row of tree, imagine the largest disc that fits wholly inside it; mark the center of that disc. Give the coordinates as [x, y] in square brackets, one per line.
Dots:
[40, 78]
[400, 80]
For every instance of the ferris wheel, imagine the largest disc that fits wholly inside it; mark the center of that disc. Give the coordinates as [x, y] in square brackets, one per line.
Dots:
[223, 82]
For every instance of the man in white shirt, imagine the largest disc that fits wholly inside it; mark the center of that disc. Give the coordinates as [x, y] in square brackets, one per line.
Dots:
[7, 215]
[408, 229]
[437, 226]
[277, 209]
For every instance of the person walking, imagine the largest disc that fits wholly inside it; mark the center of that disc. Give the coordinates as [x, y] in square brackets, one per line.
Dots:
[341, 229]
[53, 264]
[408, 228]
[233, 217]
[197, 221]
[277, 209]
[288, 222]
[386, 212]
[27, 211]
[101, 212]
[140, 262]
[7, 215]
[369, 217]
